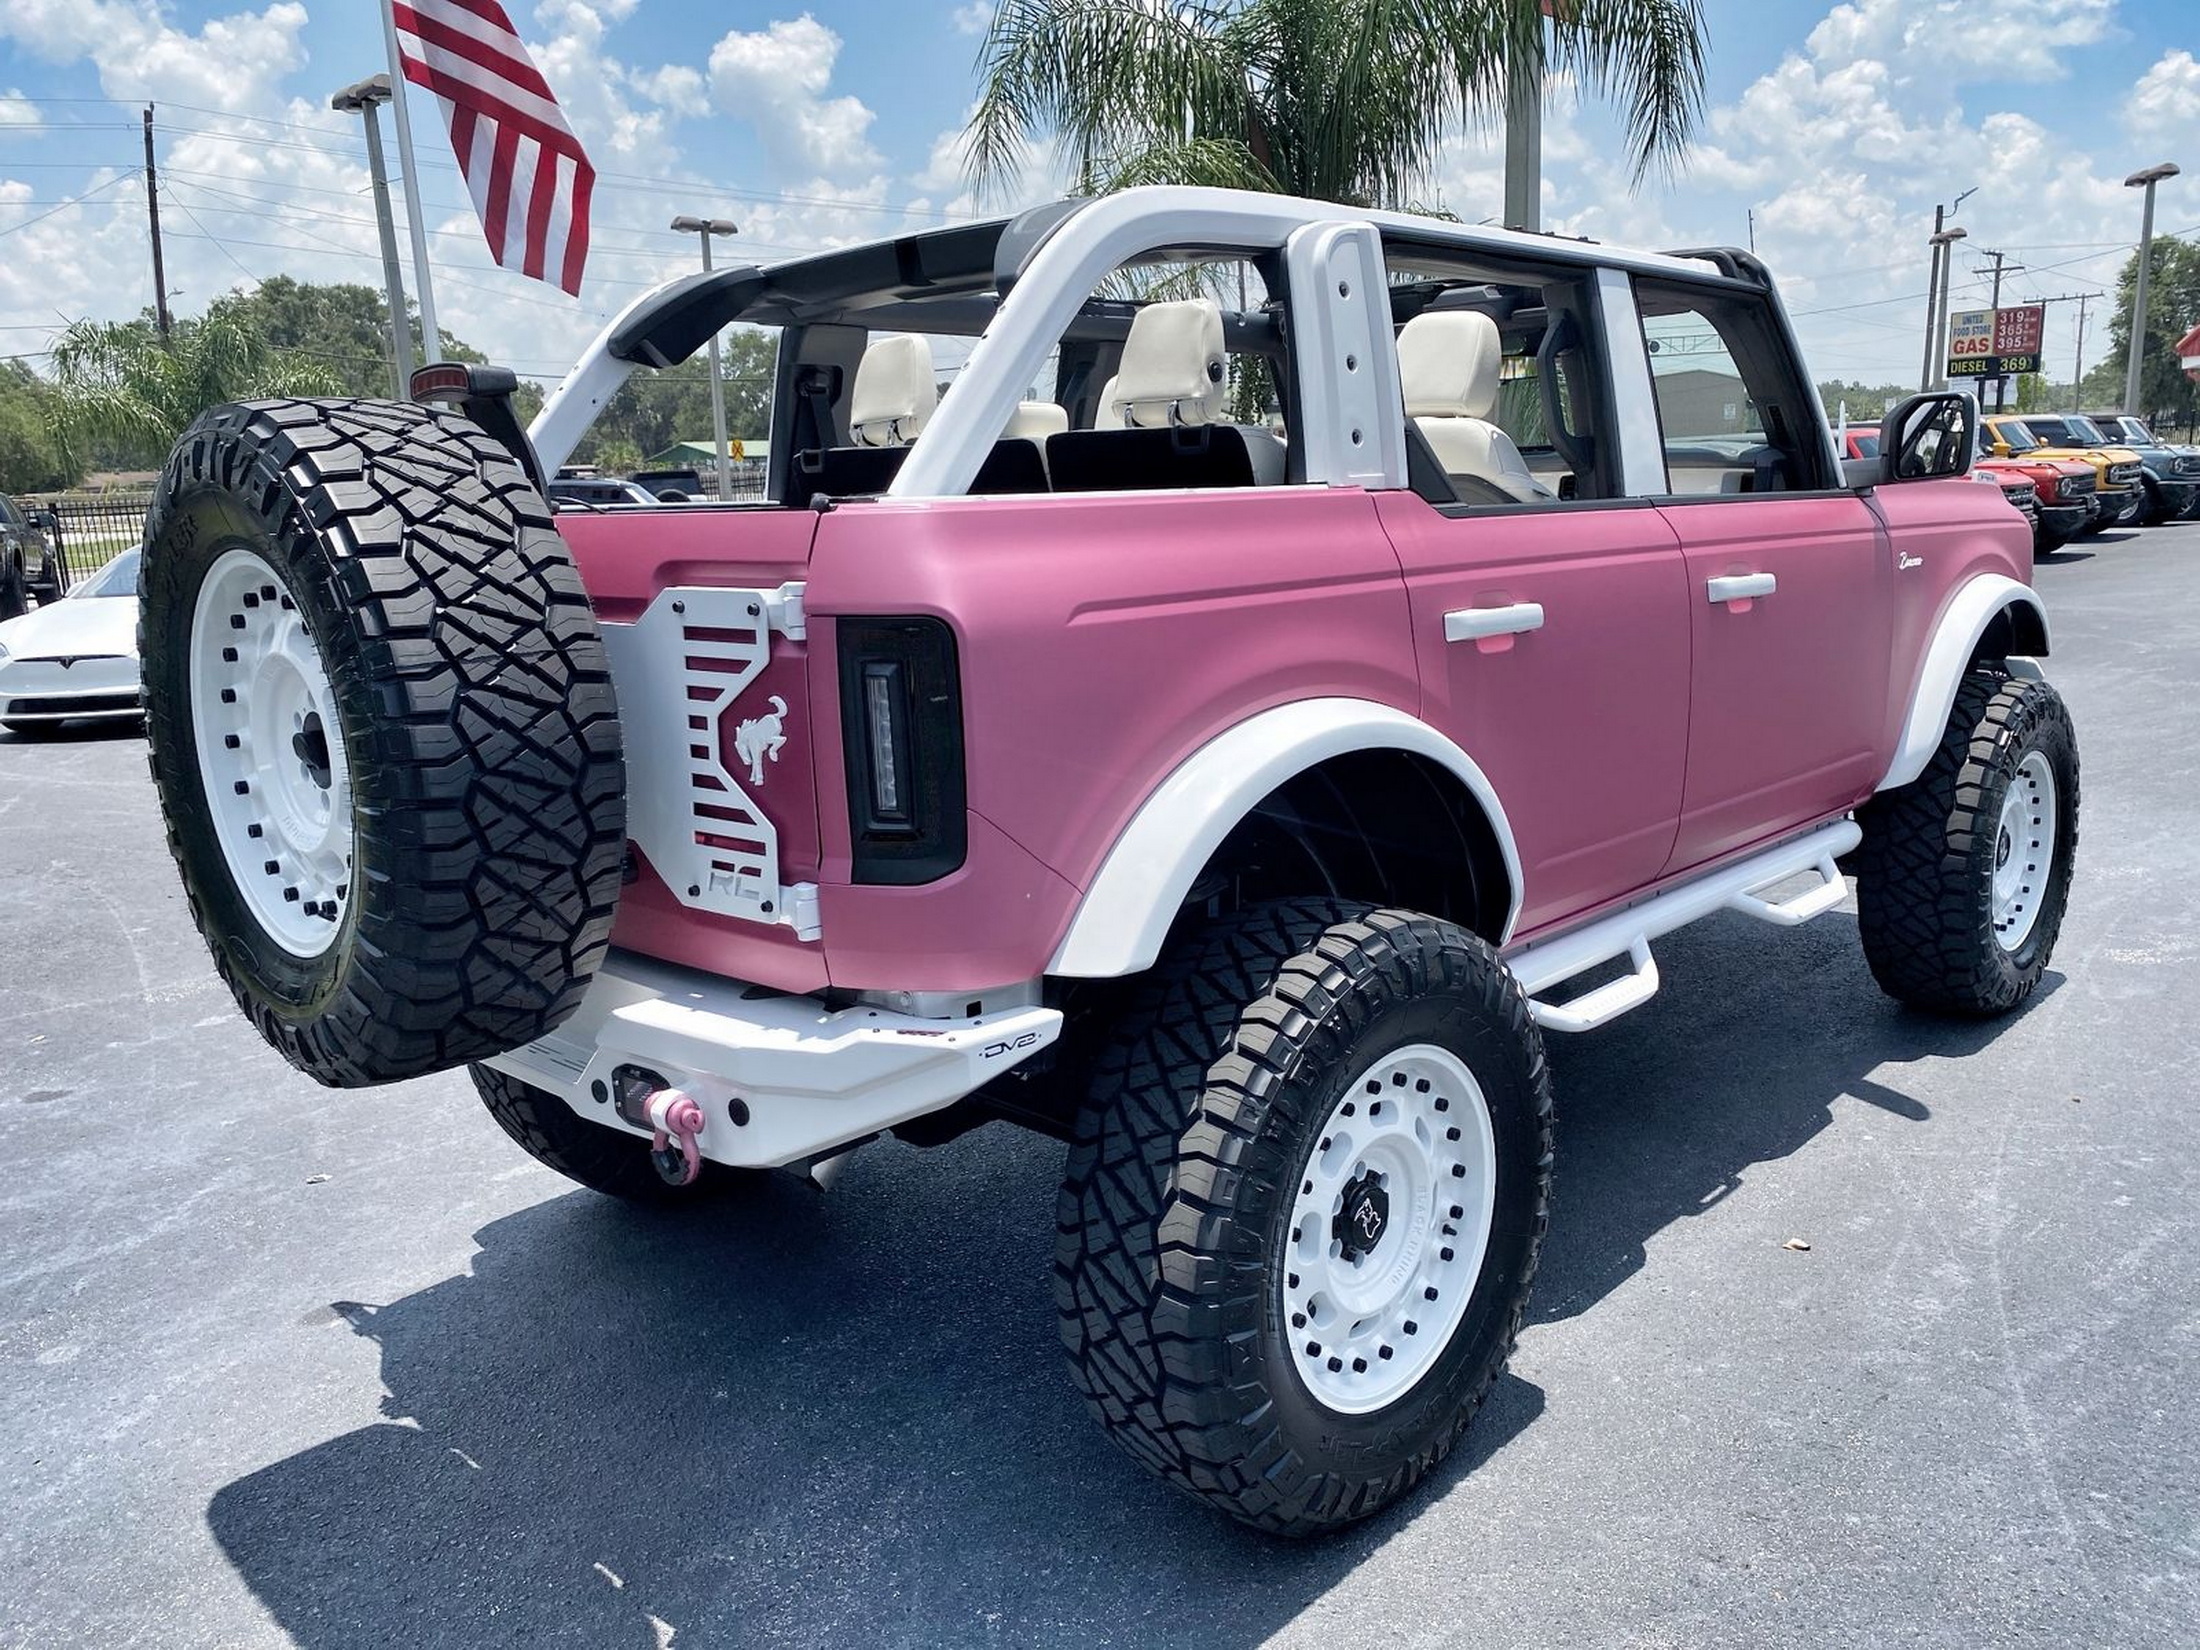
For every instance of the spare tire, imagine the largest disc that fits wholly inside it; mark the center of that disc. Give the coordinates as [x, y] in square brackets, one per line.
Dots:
[382, 729]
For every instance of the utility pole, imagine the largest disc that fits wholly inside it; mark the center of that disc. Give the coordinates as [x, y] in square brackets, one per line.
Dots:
[2081, 299]
[363, 98]
[152, 207]
[703, 229]
[2001, 385]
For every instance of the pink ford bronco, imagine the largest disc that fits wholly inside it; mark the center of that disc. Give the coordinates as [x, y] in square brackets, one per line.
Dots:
[1227, 733]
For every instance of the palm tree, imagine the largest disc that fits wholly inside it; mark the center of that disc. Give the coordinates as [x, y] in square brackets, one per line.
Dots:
[1344, 100]
[119, 384]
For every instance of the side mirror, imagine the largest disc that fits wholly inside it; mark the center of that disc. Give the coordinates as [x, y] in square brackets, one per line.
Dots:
[1929, 436]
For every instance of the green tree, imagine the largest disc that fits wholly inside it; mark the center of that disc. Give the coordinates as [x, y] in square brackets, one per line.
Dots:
[653, 410]
[32, 459]
[2173, 308]
[345, 328]
[118, 383]
[1344, 100]
[1866, 403]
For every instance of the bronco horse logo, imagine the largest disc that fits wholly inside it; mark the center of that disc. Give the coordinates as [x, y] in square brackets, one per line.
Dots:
[761, 737]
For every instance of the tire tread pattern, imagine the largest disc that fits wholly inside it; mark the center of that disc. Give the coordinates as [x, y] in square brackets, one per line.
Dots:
[487, 770]
[1158, 1290]
[1925, 866]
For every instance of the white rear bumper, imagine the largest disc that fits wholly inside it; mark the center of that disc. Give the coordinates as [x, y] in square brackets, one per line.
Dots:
[808, 1077]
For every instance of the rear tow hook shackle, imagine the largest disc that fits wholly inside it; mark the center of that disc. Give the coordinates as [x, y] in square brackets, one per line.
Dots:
[673, 1118]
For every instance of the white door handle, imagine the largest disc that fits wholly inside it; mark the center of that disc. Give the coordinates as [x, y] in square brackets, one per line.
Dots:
[1741, 587]
[1472, 623]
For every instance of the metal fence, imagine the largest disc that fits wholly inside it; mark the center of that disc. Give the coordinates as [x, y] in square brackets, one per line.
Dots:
[89, 530]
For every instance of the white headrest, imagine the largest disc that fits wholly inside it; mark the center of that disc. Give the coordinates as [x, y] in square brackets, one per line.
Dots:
[1035, 421]
[1448, 360]
[1173, 370]
[1110, 413]
[894, 393]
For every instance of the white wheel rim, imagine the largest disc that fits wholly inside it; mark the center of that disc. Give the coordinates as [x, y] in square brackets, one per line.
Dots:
[1365, 1326]
[2024, 851]
[278, 787]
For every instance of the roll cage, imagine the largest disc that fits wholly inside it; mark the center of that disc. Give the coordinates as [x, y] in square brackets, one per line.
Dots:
[1023, 286]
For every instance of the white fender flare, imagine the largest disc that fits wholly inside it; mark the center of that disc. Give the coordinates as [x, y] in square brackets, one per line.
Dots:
[1973, 607]
[1126, 912]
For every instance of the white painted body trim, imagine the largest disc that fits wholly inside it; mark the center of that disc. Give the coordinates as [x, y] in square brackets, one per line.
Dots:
[1970, 610]
[812, 1078]
[1125, 914]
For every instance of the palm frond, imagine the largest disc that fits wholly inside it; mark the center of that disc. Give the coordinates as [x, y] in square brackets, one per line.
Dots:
[1103, 76]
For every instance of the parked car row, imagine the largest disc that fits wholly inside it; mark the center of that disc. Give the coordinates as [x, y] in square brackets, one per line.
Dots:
[2072, 476]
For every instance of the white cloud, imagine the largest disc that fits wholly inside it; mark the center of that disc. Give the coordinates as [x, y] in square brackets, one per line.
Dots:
[231, 62]
[16, 109]
[975, 18]
[1948, 41]
[676, 86]
[2164, 109]
[776, 80]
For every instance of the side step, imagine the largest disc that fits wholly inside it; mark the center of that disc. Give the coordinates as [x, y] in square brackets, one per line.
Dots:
[1548, 963]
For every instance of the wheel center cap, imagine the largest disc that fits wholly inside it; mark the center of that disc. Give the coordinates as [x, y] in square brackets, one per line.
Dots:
[1362, 1217]
[310, 745]
[2002, 848]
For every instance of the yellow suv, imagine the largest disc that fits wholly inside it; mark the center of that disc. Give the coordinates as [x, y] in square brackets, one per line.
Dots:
[2121, 492]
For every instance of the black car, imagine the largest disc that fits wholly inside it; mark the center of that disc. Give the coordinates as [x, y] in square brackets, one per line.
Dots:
[29, 566]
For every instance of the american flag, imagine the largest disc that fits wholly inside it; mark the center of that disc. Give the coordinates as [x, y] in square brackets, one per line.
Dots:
[530, 182]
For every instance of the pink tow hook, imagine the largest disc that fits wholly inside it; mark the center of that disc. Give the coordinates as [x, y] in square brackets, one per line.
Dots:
[675, 1117]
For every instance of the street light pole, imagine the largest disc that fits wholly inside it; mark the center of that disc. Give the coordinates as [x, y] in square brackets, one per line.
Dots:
[704, 229]
[363, 98]
[1944, 245]
[2142, 180]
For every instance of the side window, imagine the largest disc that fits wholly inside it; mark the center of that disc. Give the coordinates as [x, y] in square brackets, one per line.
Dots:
[1503, 378]
[1734, 415]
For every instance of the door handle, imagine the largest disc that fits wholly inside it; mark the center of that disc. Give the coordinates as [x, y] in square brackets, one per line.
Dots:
[1742, 587]
[1471, 624]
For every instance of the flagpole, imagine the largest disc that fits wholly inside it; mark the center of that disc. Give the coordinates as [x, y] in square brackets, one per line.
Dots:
[431, 336]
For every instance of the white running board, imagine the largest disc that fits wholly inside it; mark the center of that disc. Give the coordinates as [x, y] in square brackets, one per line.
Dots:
[1548, 963]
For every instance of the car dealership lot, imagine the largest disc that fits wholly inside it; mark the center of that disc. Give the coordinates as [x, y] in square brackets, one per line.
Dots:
[348, 1370]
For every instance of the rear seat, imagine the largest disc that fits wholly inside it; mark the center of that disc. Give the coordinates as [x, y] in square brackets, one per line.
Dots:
[1168, 400]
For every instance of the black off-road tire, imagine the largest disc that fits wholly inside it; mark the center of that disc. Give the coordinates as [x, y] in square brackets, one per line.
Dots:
[475, 712]
[1925, 869]
[595, 1155]
[1177, 1199]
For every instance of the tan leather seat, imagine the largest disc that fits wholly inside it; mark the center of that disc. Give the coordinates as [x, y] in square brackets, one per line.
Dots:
[1449, 361]
[895, 392]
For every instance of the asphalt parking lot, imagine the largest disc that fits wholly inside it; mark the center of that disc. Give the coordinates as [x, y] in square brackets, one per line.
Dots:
[290, 1367]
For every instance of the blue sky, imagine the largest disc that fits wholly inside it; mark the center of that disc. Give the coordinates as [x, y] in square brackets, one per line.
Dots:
[1838, 125]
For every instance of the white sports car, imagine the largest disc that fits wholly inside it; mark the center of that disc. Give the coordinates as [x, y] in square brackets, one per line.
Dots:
[74, 658]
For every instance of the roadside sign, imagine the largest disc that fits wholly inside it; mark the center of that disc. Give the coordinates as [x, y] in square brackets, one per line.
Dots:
[2017, 336]
[1995, 343]
[1970, 343]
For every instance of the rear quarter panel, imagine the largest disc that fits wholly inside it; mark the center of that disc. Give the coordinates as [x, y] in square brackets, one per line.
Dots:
[1102, 640]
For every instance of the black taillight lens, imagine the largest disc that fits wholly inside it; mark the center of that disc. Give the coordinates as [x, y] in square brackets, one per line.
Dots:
[901, 726]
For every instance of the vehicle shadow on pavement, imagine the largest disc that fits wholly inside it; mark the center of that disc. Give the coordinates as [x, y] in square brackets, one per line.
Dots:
[1662, 1113]
[784, 1420]
[788, 1419]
